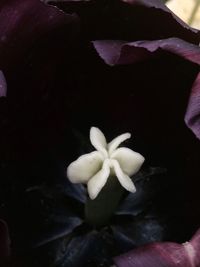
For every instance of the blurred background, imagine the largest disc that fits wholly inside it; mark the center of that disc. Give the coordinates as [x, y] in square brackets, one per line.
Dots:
[187, 10]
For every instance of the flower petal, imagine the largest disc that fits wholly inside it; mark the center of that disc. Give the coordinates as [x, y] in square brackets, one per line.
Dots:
[99, 180]
[124, 179]
[98, 140]
[117, 141]
[120, 52]
[192, 117]
[81, 170]
[129, 160]
[3, 85]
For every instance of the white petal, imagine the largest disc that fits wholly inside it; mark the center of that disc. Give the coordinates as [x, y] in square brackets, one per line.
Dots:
[117, 141]
[98, 140]
[129, 160]
[124, 179]
[97, 182]
[81, 170]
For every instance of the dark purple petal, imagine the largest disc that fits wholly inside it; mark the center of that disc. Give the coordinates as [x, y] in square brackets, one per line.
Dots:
[164, 254]
[192, 117]
[128, 20]
[3, 85]
[119, 52]
[35, 42]
[24, 23]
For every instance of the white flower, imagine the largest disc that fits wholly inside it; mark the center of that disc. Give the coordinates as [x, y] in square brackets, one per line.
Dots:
[95, 168]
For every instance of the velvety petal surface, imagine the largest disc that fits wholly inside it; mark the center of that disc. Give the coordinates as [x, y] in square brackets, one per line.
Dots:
[25, 24]
[35, 40]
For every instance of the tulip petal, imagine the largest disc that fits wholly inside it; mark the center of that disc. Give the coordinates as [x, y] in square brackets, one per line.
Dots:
[124, 179]
[129, 160]
[117, 141]
[98, 140]
[81, 170]
[3, 85]
[192, 117]
[99, 180]
[121, 52]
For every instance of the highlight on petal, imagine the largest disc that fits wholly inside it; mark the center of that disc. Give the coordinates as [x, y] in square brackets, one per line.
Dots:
[129, 160]
[3, 85]
[81, 170]
[124, 179]
[132, 52]
[97, 182]
[98, 140]
[192, 117]
[117, 141]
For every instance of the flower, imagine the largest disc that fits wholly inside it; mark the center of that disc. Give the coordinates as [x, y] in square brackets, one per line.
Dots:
[130, 64]
[94, 168]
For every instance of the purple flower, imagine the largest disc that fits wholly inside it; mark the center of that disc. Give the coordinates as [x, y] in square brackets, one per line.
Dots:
[118, 65]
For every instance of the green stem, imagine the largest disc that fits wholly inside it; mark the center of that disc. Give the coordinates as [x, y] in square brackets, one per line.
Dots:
[99, 211]
[194, 11]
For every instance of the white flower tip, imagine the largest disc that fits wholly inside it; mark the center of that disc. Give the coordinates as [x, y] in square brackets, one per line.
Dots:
[117, 141]
[70, 173]
[128, 135]
[132, 189]
[141, 160]
[92, 195]
[98, 139]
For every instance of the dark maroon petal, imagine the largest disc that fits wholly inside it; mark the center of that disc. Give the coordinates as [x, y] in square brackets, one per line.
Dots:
[24, 23]
[119, 52]
[35, 42]
[128, 20]
[192, 117]
[3, 85]
[4, 241]
[164, 254]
